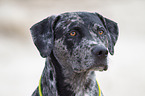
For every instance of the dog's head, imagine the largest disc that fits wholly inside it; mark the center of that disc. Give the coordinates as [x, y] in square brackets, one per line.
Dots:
[79, 40]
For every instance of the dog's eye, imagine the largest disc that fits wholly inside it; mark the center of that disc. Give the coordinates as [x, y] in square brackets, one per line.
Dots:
[100, 32]
[73, 33]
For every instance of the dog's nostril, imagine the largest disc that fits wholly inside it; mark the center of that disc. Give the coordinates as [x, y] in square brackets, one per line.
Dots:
[100, 53]
[106, 53]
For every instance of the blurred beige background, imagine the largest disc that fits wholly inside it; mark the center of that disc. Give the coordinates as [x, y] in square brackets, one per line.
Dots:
[21, 64]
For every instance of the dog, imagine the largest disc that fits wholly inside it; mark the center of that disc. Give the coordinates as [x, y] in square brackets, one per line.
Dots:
[75, 45]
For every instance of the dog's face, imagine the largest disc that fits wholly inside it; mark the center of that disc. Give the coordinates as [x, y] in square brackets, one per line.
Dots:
[79, 40]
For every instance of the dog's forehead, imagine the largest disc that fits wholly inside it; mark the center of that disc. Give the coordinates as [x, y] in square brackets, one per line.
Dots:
[81, 17]
[68, 18]
[77, 19]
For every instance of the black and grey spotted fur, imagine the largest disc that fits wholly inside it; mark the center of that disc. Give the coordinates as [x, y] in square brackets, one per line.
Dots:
[72, 60]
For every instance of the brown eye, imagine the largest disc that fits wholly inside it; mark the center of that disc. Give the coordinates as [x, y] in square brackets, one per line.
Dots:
[101, 32]
[73, 33]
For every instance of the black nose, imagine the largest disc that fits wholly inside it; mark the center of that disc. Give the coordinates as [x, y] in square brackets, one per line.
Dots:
[100, 51]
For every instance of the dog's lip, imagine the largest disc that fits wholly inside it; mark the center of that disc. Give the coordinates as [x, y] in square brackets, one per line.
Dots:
[101, 67]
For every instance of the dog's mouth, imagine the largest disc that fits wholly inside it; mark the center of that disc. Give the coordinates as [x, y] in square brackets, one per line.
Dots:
[102, 68]
[99, 67]
[92, 65]
[93, 68]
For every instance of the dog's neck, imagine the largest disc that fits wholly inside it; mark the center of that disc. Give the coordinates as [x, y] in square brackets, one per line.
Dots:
[67, 82]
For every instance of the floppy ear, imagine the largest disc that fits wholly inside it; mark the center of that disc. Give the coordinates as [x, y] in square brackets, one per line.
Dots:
[112, 29]
[43, 35]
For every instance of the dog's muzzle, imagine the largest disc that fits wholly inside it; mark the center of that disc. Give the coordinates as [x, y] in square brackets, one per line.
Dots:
[100, 54]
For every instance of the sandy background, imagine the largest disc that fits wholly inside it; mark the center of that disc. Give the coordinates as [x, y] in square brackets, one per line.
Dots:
[21, 64]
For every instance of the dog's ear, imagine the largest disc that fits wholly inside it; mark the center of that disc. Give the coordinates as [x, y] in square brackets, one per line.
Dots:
[112, 29]
[43, 35]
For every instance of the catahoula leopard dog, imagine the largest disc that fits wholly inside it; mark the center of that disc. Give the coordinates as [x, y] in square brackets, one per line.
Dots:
[75, 44]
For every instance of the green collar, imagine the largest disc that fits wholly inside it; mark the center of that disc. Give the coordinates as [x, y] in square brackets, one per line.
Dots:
[98, 88]
[40, 91]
